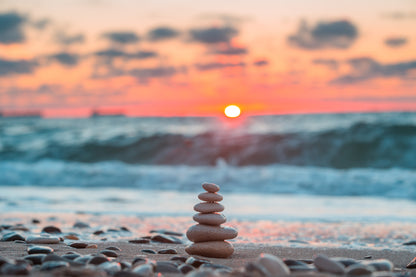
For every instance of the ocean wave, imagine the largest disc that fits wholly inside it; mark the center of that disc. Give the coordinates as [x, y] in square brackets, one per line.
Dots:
[361, 145]
[269, 179]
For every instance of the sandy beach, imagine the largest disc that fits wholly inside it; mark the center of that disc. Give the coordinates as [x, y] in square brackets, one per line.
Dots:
[127, 250]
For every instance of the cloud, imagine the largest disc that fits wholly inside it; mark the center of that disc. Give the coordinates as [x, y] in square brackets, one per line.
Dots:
[122, 37]
[162, 33]
[339, 34]
[395, 42]
[65, 58]
[401, 15]
[365, 68]
[10, 67]
[144, 74]
[231, 51]
[11, 28]
[66, 39]
[113, 53]
[261, 62]
[213, 66]
[213, 34]
[330, 63]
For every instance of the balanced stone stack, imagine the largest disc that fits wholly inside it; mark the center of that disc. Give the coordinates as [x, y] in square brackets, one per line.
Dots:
[208, 236]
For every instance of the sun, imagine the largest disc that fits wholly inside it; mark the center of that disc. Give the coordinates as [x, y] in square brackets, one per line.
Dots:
[232, 111]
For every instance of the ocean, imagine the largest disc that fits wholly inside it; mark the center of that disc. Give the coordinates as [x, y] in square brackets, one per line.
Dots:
[355, 169]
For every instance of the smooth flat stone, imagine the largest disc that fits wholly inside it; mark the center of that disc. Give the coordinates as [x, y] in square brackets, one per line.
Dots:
[200, 233]
[167, 251]
[165, 239]
[42, 240]
[51, 265]
[210, 197]
[78, 245]
[207, 207]
[213, 249]
[144, 270]
[80, 224]
[13, 236]
[380, 264]
[166, 232]
[273, 265]
[96, 260]
[15, 269]
[166, 267]
[210, 219]
[359, 270]
[109, 253]
[412, 264]
[139, 241]
[35, 258]
[51, 230]
[210, 187]
[36, 249]
[325, 264]
[195, 262]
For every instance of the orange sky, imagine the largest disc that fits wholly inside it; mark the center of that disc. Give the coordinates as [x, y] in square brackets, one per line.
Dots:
[176, 58]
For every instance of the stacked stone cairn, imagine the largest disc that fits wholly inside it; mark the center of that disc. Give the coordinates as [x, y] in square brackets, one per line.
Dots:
[208, 236]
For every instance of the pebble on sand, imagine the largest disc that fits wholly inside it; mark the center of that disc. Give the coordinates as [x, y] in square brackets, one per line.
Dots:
[37, 249]
[325, 264]
[273, 265]
[12, 236]
[51, 230]
[42, 240]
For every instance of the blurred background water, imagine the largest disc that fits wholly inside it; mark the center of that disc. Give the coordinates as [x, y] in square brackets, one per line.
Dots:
[320, 167]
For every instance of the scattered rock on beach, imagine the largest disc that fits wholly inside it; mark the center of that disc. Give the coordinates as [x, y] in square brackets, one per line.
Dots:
[37, 249]
[12, 236]
[148, 251]
[42, 240]
[35, 258]
[165, 239]
[359, 270]
[114, 248]
[412, 242]
[109, 253]
[139, 241]
[80, 224]
[380, 264]
[51, 265]
[16, 269]
[412, 264]
[166, 232]
[99, 259]
[325, 264]
[52, 230]
[167, 251]
[273, 265]
[78, 245]
[166, 267]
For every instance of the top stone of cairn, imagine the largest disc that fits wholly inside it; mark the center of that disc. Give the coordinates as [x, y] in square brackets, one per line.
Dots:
[210, 187]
